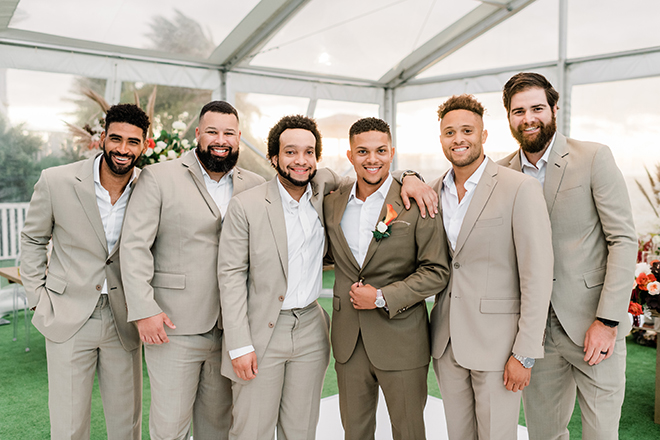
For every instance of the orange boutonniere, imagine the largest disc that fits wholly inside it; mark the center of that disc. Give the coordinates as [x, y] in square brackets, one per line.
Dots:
[383, 228]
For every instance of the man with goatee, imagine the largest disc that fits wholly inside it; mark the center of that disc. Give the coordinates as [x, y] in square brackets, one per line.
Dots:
[595, 246]
[169, 268]
[78, 294]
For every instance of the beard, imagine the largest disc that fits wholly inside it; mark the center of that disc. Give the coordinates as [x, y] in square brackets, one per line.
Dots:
[119, 170]
[542, 139]
[216, 164]
[287, 176]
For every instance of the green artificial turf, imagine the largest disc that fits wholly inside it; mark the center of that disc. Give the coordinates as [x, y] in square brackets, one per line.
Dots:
[24, 391]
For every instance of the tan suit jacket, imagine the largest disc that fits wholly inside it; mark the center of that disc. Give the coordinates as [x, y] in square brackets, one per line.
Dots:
[170, 248]
[408, 266]
[253, 264]
[67, 288]
[593, 235]
[501, 278]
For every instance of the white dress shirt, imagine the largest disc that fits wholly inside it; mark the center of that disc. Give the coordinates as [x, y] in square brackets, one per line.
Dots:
[305, 240]
[112, 216]
[360, 219]
[220, 191]
[453, 211]
[537, 171]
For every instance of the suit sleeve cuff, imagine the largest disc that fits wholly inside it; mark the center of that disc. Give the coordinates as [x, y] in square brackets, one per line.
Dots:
[233, 354]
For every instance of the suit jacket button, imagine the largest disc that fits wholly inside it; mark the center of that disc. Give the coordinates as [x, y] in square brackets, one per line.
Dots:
[271, 325]
[99, 287]
[281, 297]
[457, 265]
[108, 262]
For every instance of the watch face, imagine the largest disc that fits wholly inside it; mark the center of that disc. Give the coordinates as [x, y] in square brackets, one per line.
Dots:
[380, 302]
[528, 362]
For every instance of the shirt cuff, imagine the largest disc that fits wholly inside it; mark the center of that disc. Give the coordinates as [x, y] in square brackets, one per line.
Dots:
[608, 322]
[233, 354]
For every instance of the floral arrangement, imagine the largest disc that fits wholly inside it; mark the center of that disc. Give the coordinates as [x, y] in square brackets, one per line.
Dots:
[646, 292]
[167, 146]
[383, 228]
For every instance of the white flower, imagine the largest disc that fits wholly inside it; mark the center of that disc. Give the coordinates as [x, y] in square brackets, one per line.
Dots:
[185, 143]
[178, 125]
[381, 227]
[653, 288]
[656, 241]
[171, 155]
[162, 158]
[160, 146]
[149, 152]
[642, 268]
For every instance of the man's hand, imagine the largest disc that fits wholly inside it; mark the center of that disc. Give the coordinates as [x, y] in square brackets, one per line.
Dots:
[152, 331]
[363, 297]
[426, 198]
[245, 366]
[516, 377]
[599, 342]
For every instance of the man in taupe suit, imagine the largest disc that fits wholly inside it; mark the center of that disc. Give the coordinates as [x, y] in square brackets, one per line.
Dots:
[78, 294]
[487, 327]
[595, 249]
[169, 268]
[383, 273]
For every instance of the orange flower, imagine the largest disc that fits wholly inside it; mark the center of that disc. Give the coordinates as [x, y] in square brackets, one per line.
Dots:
[635, 309]
[642, 280]
[391, 215]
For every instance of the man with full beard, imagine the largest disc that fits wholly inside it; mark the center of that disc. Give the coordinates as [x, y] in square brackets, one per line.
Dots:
[78, 294]
[595, 247]
[169, 268]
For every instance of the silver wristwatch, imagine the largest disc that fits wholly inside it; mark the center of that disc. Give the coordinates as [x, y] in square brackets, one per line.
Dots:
[380, 301]
[525, 361]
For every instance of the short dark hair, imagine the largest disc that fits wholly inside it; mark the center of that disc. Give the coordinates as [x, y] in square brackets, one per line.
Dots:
[461, 102]
[293, 122]
[219, 107]
[527, 80]
[130, 114]
[369, 124]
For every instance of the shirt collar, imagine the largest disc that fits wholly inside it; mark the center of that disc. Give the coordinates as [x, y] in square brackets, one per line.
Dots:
[544, 159]
[207, 178]
[472, 181]
[289, 201]
[383, 190]
[97, 171]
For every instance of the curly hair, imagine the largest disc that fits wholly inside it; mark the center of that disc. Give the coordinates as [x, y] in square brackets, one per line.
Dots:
[130, 114]
[369, 124]
[292, 122]
[527, 80]
[219, 107]
[461, 102]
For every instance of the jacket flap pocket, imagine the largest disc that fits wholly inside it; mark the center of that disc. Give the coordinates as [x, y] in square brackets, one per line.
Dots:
[169, 280]
[594, 278]
[488, 222]
[564, 193]
[336, 303]
[55, 283]
[489, 305]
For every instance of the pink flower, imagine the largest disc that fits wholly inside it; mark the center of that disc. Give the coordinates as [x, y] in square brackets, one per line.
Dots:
[653, 288]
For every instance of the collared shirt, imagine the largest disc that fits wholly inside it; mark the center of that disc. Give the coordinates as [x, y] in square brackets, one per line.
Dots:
[112, 216]
[220, 191]
[360, 219]
[305, 240]
[537, 171]
[453, 211]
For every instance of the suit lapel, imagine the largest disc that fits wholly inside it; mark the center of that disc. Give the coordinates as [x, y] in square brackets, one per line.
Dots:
[393, 198]
[277, 223]
[317, 201]
[554, 172]
[481, 195]
[189, 161]
[338, 213]
[86, 192]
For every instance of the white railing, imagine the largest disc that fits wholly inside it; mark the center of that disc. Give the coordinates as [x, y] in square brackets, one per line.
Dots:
[12, 218]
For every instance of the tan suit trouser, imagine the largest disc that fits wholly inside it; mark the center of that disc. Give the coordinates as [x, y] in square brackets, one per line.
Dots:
[287, 390]
[405, 393]
[71, 366]
[186, 385]
[550, 398]
[477, 405]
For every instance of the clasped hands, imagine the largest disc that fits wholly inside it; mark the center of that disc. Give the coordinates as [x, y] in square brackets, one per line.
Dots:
[363, 297]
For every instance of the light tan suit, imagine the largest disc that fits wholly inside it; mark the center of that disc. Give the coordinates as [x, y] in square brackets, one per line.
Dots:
[169, 264]
[496, 303]
[595, 249]
[253, 271]
[393, 346]
[66, 291]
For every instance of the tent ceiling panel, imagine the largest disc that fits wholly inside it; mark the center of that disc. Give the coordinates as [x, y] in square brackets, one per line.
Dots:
[7, 10]
[526, 38]
[612, 26]
[143, 24]
[357, 39]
